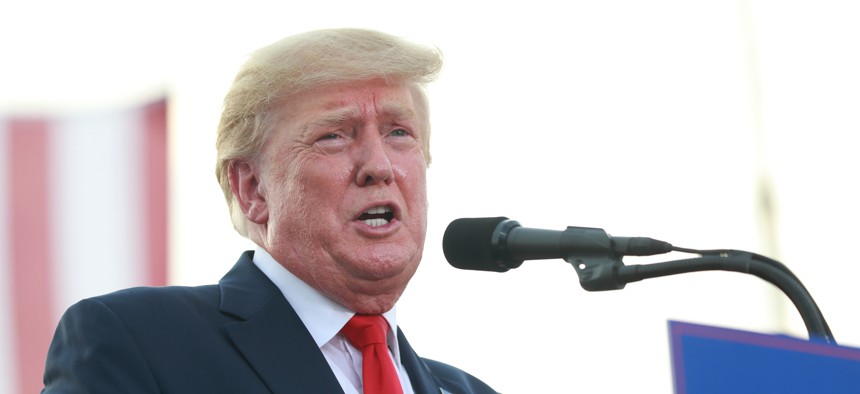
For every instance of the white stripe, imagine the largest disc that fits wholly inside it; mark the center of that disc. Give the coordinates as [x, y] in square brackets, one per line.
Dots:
[8, 372]
[97, 180]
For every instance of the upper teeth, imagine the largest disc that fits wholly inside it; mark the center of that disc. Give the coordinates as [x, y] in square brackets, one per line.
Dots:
[376, 222]
[377, 210]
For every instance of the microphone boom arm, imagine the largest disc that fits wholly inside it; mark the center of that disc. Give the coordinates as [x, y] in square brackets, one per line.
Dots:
[599, 268]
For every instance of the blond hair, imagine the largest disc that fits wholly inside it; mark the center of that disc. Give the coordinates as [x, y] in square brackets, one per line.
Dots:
[302, 62]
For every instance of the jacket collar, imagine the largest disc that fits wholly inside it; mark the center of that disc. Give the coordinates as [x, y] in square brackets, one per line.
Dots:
[270, 335]
[423, 380]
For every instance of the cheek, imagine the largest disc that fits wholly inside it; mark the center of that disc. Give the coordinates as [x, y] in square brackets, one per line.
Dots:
[289, 192]
[325, 181]
[316, 189]
[413, 178]
[413, 183]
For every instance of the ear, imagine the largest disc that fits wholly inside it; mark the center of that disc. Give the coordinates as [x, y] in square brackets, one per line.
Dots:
[245, 182]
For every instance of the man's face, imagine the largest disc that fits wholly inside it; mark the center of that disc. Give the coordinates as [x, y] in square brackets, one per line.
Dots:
[343, 177]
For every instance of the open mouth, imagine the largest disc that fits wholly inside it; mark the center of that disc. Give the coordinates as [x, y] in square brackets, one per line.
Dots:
[377, 216]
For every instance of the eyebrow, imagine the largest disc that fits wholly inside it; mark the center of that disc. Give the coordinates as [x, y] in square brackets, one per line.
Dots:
[398, 111]
[338, 116]
[331, 118]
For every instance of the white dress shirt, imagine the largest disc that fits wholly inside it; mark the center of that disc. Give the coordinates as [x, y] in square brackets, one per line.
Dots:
[324, 318]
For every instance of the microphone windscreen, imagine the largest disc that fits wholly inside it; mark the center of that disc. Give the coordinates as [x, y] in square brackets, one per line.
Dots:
[467, 244]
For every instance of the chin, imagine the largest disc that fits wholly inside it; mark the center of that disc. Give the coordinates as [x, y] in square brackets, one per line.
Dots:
[383, 264]
[378, 294]
[371, 304]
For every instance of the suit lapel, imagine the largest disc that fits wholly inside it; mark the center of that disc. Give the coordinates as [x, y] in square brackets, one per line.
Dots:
[423, 381]
[270, 335]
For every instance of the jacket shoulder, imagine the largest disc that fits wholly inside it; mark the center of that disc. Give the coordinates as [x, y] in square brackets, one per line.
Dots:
[456, 379]
[156, 294]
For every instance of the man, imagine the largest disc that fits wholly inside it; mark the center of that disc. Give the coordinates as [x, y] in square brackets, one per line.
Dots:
[322, 152]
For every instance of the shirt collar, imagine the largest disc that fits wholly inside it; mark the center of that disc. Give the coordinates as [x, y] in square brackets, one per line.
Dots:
[322, 316]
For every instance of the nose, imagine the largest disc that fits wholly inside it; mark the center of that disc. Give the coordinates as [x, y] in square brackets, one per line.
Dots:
[373, 162]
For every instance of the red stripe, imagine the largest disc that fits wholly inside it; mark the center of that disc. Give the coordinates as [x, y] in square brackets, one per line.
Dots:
[29, 232]
[155, 168]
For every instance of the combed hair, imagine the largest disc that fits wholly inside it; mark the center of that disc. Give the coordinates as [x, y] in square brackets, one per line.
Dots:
[303, 62]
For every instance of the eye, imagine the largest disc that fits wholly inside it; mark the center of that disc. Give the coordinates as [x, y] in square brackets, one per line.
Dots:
[330, 136]
[331, 142]
[399, 133]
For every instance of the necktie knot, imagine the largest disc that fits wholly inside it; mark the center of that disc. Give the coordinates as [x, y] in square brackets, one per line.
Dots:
[366, 330]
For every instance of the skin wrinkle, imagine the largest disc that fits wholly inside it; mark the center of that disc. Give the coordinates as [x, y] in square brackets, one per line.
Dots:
[332, 157]
[340, 116]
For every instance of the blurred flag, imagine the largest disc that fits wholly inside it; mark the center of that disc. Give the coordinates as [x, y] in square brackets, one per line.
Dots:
[83, 207]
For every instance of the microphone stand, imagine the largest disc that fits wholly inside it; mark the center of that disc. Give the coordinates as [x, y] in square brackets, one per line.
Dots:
[599, 267]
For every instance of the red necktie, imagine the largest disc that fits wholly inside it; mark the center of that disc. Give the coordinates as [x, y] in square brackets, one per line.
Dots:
[368, 333]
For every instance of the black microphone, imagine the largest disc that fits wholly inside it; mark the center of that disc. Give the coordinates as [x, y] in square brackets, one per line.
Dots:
[500, 244]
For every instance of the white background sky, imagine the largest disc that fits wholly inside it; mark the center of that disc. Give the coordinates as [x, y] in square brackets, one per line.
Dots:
[653, 118]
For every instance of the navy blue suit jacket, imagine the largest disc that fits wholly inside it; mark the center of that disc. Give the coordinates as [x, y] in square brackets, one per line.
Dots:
[240, 336]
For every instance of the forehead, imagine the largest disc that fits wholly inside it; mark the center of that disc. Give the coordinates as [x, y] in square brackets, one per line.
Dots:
[352, 100]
